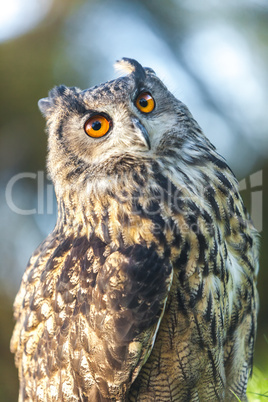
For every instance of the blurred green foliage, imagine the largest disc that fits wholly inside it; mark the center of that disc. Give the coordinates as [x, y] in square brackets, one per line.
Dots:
[258, 386]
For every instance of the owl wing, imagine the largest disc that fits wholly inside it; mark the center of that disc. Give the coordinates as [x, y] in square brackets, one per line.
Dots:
[126, 309]
[89, 318]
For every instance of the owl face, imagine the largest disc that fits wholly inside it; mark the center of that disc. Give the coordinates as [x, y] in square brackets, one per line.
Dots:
[132, 115]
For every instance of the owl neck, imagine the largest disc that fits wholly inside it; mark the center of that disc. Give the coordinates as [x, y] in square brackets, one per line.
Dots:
[70, 212]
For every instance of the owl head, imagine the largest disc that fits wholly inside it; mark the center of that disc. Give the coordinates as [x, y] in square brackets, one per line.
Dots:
[133, 117]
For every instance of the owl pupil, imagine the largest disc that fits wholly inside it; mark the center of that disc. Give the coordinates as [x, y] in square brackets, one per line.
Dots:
[143, 102]
[96, 125]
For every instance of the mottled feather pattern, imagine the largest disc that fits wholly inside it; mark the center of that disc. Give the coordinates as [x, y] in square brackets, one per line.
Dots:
[146, 288]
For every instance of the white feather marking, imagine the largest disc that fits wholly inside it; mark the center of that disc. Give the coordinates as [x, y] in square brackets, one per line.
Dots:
[235, 271]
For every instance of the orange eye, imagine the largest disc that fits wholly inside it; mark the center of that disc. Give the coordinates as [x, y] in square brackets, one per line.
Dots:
[145, 102]
[97, 126]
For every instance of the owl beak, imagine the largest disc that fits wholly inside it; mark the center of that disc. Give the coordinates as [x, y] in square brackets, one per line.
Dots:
[142, 132]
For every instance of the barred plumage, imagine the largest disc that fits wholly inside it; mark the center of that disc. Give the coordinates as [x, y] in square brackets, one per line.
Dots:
[146, 288]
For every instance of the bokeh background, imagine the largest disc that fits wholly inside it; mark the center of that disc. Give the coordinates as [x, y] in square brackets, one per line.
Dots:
[212, 54]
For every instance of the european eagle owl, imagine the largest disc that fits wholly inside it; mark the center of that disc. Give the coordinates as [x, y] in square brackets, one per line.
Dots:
[146, 288]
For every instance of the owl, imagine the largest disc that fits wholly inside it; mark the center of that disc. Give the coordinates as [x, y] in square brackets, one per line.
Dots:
[146, 288]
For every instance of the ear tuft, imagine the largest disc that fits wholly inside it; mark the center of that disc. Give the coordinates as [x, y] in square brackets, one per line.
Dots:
[124, 66]
[58, 91]
[131, 66]
[46, 106]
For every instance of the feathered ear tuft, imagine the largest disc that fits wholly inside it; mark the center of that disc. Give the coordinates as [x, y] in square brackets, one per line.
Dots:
[131, 66]
[124, 66]
[47, 105]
